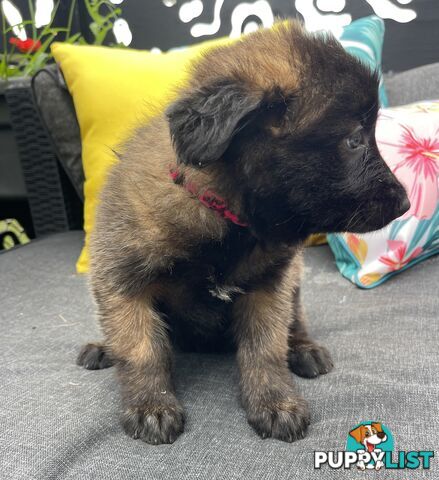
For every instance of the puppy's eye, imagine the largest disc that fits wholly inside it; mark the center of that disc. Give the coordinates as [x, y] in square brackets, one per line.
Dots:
[355, 140]
[367, 434]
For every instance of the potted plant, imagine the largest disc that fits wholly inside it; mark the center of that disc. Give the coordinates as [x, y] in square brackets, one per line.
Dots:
[26, 50]
[26, 43]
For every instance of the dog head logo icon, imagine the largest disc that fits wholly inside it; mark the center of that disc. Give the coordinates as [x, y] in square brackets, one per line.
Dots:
[373, 438]
[369, 435]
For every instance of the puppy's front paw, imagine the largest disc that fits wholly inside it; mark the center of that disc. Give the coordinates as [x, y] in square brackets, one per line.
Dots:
[308, 359]
[154, 424]
[286, 419]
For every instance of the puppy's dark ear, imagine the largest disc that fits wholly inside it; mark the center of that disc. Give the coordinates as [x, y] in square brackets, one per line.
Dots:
[204, 121]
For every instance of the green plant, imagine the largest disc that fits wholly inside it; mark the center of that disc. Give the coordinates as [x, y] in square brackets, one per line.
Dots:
[103, 13]
[15, 63]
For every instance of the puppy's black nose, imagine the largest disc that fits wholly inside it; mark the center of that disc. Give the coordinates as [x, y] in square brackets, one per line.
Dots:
[382, 434]
[404, 206]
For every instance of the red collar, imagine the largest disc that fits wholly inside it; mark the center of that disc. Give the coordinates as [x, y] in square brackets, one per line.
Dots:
[208, 198]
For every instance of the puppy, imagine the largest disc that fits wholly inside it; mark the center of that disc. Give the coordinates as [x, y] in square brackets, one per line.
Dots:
[200, 227]
[370, 436]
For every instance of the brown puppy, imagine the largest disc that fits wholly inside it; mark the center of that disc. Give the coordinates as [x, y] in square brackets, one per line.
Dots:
[199, 232]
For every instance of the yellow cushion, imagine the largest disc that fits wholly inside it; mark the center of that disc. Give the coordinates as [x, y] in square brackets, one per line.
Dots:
[114, 90]
[316, 239]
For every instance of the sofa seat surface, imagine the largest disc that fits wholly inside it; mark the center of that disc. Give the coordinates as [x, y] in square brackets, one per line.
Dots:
[59, 421]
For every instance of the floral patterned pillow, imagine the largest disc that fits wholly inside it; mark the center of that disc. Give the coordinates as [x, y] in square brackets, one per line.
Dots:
[408, 139]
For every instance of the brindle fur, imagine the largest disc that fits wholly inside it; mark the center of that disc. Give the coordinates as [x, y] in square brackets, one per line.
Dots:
[262, 124]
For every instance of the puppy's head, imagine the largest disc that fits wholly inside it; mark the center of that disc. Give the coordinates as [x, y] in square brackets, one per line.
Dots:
[290, 116]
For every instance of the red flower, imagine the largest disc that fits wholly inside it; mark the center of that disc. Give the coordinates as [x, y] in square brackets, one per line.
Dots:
[421, 153]
[396, 257]
[25, 46]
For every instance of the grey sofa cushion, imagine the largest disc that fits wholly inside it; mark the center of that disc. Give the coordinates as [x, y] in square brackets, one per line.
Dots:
[58, 114]
[59, 421]
[420, 83]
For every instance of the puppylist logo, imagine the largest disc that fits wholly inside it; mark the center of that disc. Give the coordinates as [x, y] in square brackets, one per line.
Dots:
[370, 446]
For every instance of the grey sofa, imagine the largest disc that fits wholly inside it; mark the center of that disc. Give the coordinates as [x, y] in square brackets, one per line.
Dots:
[59, 421]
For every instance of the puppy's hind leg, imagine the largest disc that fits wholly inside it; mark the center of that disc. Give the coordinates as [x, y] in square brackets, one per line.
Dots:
[94, 356]
[306, 358]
